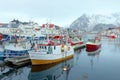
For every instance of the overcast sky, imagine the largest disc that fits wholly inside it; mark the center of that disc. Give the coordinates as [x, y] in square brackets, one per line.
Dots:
[60, 12]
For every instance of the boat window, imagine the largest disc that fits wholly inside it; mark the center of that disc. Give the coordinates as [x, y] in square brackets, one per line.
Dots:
[50, 49]
[45, 47]
[80, 38]
[40, 46]
[54, 47]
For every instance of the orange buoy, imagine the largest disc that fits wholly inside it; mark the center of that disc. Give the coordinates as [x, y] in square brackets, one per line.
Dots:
[62, 48]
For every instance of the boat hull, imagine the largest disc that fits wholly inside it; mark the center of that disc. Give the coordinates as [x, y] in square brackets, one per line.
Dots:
[46, 56]
[78, 46]
[42, 62]
[92, 47]
[112, 37]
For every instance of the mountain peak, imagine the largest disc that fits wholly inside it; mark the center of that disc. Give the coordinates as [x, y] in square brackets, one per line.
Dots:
[91, 22]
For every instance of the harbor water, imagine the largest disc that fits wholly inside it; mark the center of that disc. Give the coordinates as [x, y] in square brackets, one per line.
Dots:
[103, 65]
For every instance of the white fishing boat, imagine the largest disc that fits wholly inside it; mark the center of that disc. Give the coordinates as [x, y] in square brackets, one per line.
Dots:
[19, 39]
[51, 49]
[50, 54]
[16, 50]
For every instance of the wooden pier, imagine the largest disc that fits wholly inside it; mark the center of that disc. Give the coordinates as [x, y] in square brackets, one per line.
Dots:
[18, 61]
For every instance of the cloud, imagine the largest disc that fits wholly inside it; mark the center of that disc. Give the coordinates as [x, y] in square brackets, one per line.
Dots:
[61, 12]
[8, 16]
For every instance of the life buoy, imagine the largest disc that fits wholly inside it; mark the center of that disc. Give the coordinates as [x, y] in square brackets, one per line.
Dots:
[1, 36]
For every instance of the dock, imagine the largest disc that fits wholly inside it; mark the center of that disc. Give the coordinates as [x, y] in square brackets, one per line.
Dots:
[18, 61]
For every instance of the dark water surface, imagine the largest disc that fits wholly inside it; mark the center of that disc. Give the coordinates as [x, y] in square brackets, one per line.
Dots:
[104, 65]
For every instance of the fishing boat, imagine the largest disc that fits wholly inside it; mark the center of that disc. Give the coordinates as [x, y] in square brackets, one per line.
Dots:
[76, 42]
[19, 40]
[50, 53]
[3, 39]
[18, 48]
[112, 35]
[93, 45]
[75, 39]
[53, 48]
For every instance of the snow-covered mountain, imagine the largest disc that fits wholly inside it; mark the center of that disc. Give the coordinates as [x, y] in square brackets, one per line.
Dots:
[96, 22]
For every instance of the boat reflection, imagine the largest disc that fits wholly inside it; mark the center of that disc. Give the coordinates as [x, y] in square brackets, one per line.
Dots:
[78, 51]
[16, 74]
[94, 53]
[77, 55]
[52, 71]
[92, 56]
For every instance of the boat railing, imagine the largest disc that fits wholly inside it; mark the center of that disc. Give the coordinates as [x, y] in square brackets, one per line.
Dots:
[75, 40]
[91, 40]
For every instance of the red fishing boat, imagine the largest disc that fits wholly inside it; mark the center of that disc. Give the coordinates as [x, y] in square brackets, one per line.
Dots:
[112, 35]
[93, 45]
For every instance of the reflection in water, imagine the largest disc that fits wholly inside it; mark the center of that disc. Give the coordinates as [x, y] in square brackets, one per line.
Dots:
[16, 74]
[115, 42]
[51, 71]
[92, 56]
[66, 69]
[77, 55]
